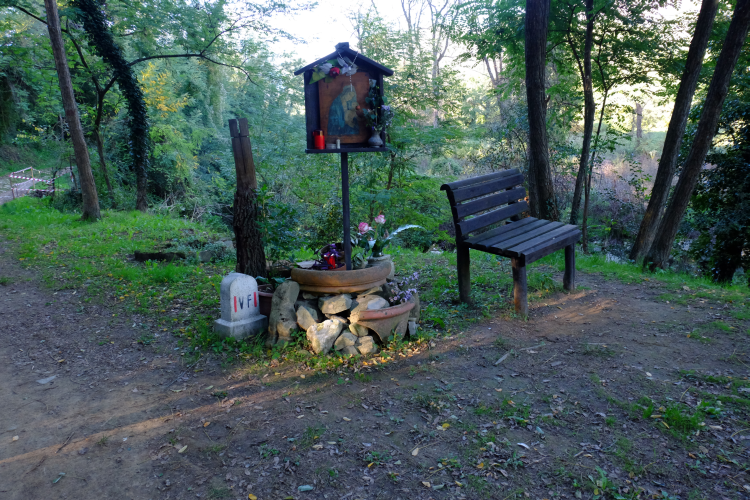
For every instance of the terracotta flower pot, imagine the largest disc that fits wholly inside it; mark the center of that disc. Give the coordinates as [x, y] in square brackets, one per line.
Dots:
[387, 321]
[264, 303]
[356, 280]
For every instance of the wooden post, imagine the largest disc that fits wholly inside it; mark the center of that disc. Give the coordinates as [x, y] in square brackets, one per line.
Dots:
[12, 189]
[251, 259]
[519, 287]
[345, 207]
[463, 268]
[569, 278]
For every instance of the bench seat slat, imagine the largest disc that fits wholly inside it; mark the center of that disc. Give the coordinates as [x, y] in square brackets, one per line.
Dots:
[513, 230]
[525, 236]
[477, 190]
[489, 202]
[499, 230]
[479, 180]
[471, 225]
[540, 251]
[530, 244]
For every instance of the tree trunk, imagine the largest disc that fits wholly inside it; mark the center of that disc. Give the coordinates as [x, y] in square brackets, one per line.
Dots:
[589, 108]
[541, 191]
[717, 92]
[589, 174]
[251, 258]
[100, 144]
[638, 122]
[88, 187]
[677, 124]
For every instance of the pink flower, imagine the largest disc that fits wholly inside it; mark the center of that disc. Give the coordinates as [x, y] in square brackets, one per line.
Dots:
[380, 219]
[364, 227]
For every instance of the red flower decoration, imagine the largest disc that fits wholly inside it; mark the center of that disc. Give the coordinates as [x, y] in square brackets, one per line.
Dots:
[334, 72]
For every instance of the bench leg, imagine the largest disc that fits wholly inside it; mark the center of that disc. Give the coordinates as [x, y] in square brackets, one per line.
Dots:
[569, 278]
[519, 287]
[463, 266]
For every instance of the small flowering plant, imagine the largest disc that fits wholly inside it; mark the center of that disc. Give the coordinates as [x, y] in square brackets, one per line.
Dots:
[405, 289]
[375, 236]
[380, 116]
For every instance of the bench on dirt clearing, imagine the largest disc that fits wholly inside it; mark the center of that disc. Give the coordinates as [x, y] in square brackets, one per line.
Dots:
[495, 197]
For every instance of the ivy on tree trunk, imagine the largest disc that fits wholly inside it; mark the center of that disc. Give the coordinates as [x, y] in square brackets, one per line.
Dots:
[95, 24]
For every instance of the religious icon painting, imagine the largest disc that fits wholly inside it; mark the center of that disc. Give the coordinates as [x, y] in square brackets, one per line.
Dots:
[341, 104]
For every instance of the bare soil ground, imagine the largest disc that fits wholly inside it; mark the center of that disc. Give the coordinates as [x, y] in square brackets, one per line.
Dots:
[563, 415]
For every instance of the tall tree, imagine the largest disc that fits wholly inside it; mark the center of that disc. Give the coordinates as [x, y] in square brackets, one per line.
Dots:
[86, 177]
[589, 107]
[541, 191]
[677, 124]
[717, 91]
[101, 37]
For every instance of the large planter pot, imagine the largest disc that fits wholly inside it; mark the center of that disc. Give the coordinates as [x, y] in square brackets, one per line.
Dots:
[333, 282]
[385, 261]
[388, 321]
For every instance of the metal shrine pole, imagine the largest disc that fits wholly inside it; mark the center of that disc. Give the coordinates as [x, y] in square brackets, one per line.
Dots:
[345, 206]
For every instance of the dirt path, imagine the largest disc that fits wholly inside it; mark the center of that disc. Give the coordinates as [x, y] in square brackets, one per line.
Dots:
[5, 193]
[123, 419]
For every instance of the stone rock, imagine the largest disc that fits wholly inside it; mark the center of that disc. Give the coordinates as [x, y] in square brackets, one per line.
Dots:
[366, 345]
[349, 350]
[414, 313]
[310, 295]
[367, 303]
[333, 317]
[323, 335]
[240, 313]
[412, 328]
[309, 303]
[335, 303]
[306, 317]
[283, 317]
[344, 340]
[205, 256]
[358, 330]
[371, 291]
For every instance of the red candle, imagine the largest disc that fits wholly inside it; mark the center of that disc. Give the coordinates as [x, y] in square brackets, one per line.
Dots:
[319, 139]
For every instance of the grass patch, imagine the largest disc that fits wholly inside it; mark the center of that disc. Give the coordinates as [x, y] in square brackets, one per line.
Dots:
[311, 434]
[624, 451]
[181, 298]
[599, 350]
[5, 281]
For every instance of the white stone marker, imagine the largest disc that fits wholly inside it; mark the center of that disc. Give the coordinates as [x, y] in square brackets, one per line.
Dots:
[240, 312]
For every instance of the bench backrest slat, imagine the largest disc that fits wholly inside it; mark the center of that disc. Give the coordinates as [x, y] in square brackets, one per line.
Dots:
[489, 202]
[482, 179]
[476, 190]
[496, 194]
[484, 220]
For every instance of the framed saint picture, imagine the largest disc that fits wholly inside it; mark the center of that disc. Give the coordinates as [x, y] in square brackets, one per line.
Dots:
[341, 104]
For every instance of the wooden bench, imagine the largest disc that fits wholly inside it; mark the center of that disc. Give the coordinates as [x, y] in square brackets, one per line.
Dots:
[480, 205]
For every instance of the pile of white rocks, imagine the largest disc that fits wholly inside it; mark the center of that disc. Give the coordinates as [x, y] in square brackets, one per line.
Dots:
[330, 321]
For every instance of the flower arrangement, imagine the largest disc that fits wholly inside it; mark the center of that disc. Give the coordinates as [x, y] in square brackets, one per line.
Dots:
[375, 237]
[405, 289]
[330, 258]
[333, 68]
[380, 116]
